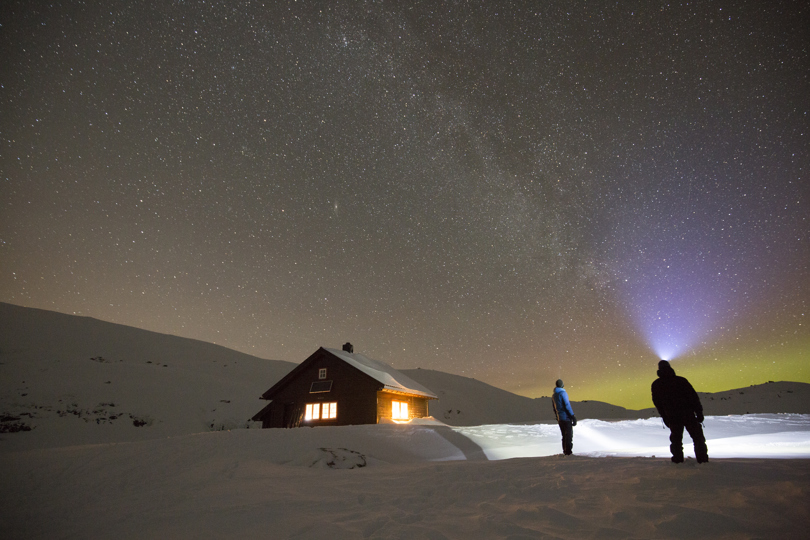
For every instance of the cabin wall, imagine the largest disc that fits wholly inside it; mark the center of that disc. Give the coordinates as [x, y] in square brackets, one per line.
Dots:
[417, 406]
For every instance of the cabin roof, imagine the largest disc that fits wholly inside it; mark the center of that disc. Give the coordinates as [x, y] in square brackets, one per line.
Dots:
[391, 379]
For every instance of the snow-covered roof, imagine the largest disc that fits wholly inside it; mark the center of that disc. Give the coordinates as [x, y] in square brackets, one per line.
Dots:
[390, 378]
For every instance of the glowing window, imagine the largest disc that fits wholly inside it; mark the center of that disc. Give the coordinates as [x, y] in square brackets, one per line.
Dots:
[320, 411]
[399, 410]
[322, 373]
[313, 411]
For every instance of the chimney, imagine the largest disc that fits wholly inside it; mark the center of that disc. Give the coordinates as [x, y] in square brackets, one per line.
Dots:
[348, 347]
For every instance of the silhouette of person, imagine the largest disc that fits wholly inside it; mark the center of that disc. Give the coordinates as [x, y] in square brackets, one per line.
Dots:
[679, 407]
[565, 417]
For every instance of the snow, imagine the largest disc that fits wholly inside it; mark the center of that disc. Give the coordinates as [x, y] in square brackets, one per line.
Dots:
[379, 371]
[412, 481]
[744, 436]
[195, 468]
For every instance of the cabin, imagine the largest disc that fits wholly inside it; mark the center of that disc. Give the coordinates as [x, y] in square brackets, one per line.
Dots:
[340, 387]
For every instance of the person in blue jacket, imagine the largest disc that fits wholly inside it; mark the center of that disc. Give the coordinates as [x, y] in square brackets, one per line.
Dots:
[565, 417]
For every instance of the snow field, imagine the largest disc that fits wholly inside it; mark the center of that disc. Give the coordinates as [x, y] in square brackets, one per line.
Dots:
[412, 481]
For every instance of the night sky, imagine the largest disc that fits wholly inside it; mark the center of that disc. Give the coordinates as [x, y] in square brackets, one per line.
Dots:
[511, 191]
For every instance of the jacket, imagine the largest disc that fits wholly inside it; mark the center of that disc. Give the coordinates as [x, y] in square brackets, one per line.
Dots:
[562, 407]
[675, 398]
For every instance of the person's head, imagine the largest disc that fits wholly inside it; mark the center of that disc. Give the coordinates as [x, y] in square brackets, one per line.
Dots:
[665, 370]
[559, 383]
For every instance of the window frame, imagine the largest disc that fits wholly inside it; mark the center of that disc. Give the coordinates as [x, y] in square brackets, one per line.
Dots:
[400, 410]
[320, 411]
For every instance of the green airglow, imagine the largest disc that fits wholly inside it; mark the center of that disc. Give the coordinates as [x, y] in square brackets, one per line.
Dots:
[708, 372]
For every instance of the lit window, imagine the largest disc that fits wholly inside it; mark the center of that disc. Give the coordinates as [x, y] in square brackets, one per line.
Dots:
[322, 373]
[315, 411]
[399, 410]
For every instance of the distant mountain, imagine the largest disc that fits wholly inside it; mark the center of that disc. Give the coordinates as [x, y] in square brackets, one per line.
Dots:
[770, 397]
[468, 402]
[69, 380]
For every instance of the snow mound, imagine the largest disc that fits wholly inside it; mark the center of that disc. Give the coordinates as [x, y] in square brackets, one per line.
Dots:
[333, 458]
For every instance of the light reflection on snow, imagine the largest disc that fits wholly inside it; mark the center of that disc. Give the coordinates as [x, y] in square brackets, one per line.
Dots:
[746, 436]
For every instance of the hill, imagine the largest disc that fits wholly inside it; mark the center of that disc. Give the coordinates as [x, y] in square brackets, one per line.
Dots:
[70, 380]
[468, 402]
[770, 397]
[78, 380]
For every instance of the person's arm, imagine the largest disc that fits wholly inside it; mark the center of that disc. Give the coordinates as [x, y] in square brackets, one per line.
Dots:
[567, 404]
[659, 405]
[569, 409]
[694, 400]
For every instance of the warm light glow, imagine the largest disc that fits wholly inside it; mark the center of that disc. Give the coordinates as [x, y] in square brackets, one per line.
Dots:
[399, 410]
[313, 411]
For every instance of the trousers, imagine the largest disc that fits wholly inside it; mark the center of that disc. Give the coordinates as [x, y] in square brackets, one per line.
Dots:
[567, 430]
[695, 431]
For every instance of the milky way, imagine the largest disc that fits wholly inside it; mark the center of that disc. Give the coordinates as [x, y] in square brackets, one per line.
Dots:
[512, 191]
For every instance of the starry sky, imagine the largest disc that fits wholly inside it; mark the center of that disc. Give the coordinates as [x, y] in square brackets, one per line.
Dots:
[511, 191]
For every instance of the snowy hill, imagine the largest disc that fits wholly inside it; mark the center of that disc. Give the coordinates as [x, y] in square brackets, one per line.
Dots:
[76, 380]
[770, 397]
[131, 436]
[469, 402]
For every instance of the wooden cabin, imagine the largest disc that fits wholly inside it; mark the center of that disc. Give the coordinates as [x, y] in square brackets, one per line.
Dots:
[340, 387]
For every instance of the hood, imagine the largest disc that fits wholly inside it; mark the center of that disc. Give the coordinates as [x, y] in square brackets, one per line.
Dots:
[665, 370]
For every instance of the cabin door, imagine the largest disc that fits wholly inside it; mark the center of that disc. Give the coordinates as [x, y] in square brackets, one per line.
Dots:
[288, 412]
[292, 416]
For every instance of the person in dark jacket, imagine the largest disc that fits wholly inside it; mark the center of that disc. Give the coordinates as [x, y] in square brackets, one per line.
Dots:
[565, 417]
[679, 407]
